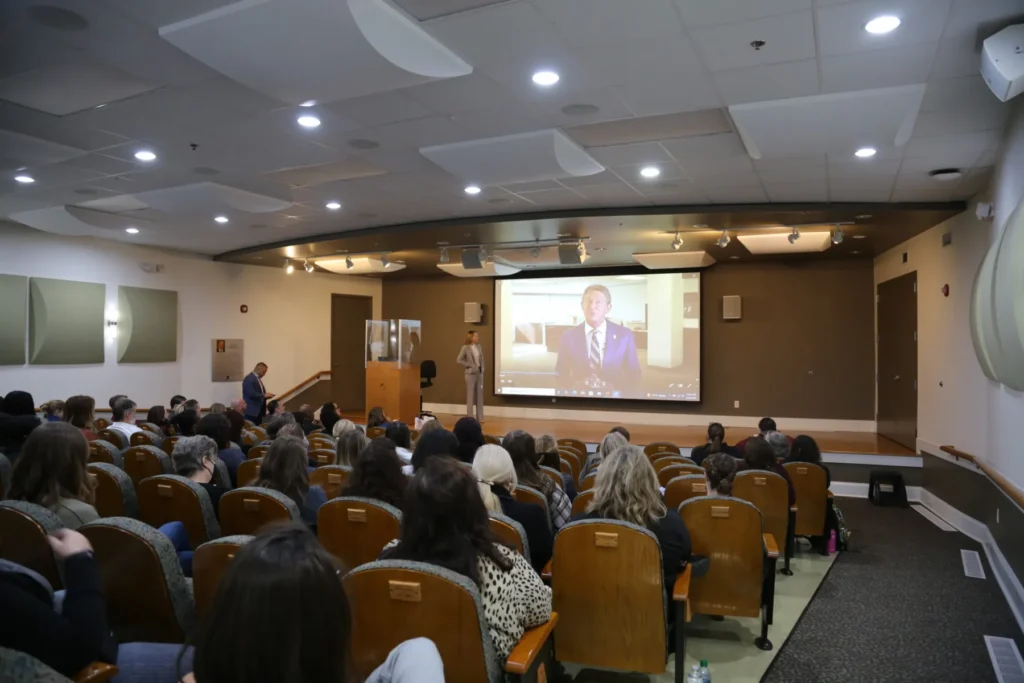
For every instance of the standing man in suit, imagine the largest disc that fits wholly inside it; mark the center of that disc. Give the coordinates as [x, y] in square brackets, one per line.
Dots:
[597, 354]
[471, 357]
[255, 394]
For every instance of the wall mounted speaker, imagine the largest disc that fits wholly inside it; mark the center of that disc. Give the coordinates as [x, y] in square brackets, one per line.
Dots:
[471, 259]
[474, 313]
[732, 307]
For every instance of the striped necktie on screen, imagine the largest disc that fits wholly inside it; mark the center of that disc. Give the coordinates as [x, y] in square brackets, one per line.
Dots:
[595, 351]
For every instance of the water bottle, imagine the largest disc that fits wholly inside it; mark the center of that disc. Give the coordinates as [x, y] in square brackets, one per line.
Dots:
[705, 672]
[832, 542]
[694, 675]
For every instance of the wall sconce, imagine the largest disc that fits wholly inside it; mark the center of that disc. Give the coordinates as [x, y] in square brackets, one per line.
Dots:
[112, 317]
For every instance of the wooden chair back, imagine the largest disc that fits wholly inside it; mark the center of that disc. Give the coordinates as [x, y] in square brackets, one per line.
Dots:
[574, 460]
[143, 462]
[170, 498]
[670, 472]
[652, 449]
[664, 461]
[115, 437]
[554, 475]
[115, 493]
[684, 487]
[331, 478]
[588, 482]
[246, 510]
[167, 446]
[582, 500]
[511, 533]
[256, 452]
[322, 456]
[209, 563]
[260, 432]
[101, 423]
[528, 494]
[147, 596]
[144, 438]
[249, 438]
[727, 530]
[393, 601]
[104, 451]
[769, 493]
[607, 590]
[580, 447]
[491, 439]
[23, 530]
[811, 486]
[249, 472]
[565, 467]
[373, 432]
[321, 441]
[355, 530]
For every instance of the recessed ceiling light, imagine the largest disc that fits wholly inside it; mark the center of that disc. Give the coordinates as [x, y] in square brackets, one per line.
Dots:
[26, 179]
[859, 237]
[307, 121]
[145, 155]
[472, 189]
[221, 219]
[132, 231]
[650, 171]
[333, 206]
[308, 103]
[946, 174]
[882, 24]
[865, 152]
[545, 78]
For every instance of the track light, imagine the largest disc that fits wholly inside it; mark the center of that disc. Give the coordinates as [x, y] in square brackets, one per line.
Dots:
[581, 248]
[308, 266]
[348, 263]
[677, 243]
[794, 236]
[288, 267]
[837, 235]
[384, 260]
[483, 254]
[535, 252]
[444, 255]
[724, 240]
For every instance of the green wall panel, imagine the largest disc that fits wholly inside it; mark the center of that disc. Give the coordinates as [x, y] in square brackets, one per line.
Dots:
[13, 304]
[147, 329]
[65, 322]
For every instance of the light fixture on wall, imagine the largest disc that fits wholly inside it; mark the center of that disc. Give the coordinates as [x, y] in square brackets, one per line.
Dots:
[837, 235]
[348, 263]
[444, 255]
[384, 260]
[677, 243]
[308, 266]
[794, 236]
[288, 267]
[112, 317]
[724, 240]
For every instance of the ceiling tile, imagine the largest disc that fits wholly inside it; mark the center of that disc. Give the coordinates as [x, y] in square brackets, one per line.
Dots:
[509, 32]
[798, 192]
[424, 10]
[793, 169]
[860, 194]
[533, 186]
[967, 17]
[955, 57]
[56, 175]
[787, 38]
[450, 95]
[717, 166]
[599, 22]
[69, 131]
[961, 120]
[555, 198]
[841, 27]
[703, 146]
[768, 82]
[707, 180]
[987, 158]
[637, 153]
[623, 63]
[878, 68]
[630, 173]
[960, 147]
[725, 194]
[606, 194]
[605, 177]
[864, 169]
[698, 13]
[380, 109]
[685, 92]
[920, 194]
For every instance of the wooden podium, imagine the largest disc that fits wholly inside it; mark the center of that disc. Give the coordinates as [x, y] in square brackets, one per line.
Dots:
[395, 389]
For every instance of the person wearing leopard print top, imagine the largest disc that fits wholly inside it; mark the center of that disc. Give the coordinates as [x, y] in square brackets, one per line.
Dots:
[444, 522]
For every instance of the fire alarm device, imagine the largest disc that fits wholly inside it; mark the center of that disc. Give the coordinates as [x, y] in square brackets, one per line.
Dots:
[243, 308]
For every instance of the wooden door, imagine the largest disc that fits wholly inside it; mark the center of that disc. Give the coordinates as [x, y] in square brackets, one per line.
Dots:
[897, 359]
[348, 336]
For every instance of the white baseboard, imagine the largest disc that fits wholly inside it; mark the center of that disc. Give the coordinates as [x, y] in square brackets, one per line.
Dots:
[968, 526]
[849, 489]
[668, 418]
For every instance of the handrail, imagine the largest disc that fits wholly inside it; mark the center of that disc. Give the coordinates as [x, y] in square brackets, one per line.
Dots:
[1007, 486]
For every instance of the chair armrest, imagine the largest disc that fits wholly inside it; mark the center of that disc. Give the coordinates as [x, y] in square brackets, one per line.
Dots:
[545, 573]
[97, 672]
[529, 646]
[681, 591]
[770, 549]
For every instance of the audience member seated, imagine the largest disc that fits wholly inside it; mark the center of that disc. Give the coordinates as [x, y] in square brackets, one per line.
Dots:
[716, 444]
[627, 490]
[284, 469]
[79, 633]
[523, 450]
[193, 457]
[612, 442]
[444, 522]
[123, 419]
[281, 615]
[237, 422]
[760, 455]
[805, 449]
[177, 400]
[238, 405]
[399, 434]
[17, 419]
[275, 409]
[430, 424]
[114, 399]
[471, 437]
[78, 412]
[329, 417]
[157, 415]
[377, 473]
[217, 426]
[51, 472]
[342, 426]
[720, 471]
[620, 430]
[53, 411]
[376, 418]
[184, 423]
[279, 423]
[496, 477]
[304, 418]
[547, 453]
[216, 409]
[350, 444]
[764, 425]
[191, 404]
[437, 442]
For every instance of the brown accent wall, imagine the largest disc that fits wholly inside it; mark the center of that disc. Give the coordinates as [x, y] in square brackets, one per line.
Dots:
[804, 348]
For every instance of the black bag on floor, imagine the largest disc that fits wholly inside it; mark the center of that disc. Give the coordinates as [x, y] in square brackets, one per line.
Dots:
[886, 489]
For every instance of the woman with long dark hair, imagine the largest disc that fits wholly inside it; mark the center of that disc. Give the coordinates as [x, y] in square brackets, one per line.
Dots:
[78, 412]
[51, 472]
[523, 449]
[760, 455]
[715, 444]
[377, 474]
[284, 469]
[437, 442]
[471, 437]
[444, 522]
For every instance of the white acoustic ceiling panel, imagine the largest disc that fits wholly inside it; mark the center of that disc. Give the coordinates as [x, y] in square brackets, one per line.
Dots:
[105, 220]
[361, 265]
[17, 150]
[674, 259]
[62, 89]
[1007, 303]
[209, 197]
[489, 269]
[779, 243]
[323, 50]
[837, 123]
[521, 158]
[65, 220]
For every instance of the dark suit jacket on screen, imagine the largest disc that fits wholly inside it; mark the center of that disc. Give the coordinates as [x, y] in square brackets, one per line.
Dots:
[620, 368]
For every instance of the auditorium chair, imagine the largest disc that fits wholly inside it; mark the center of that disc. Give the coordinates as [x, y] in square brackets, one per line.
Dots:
[769, 493]
[18, 667]
[355, 530]
[554, 475]
[315, 430]
[607, 588]
[414, 435]
[583, 498]
[249, 472]
[374, 432]
[811, 485]
[658, 447]
[150, 427]
[5, 476]
[491, 439]
[256, 452]
[142, 462]
[321, 441]
[588, 481]
[248, 509]
[528, 494]
[564, 467]
[260, 432]
[144, 438]
[115, 492]
[249, 424]
[104, 451]
[665, 461]
[249, 438]
[321, 456]
[331, 478]
[684, 487]
[221, 476]
[670, 472]
[394, 600]
[23, 530]
[574, 460]
[167, 446]
[148, 597]
[511, 533]
[171, 498]
[209, 563]
[115, 437]
[580, 447]
[101, 423]
[740, 580]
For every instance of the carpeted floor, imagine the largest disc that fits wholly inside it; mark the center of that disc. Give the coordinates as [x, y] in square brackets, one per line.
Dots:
[897, 607]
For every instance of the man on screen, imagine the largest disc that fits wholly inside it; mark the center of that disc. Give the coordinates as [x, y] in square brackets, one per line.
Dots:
[597, 355]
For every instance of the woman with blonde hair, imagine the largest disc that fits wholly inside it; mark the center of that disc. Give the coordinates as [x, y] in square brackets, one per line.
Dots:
[342, 426]
[612, 441]
[471, 357]
[497, 480]
[627, 490]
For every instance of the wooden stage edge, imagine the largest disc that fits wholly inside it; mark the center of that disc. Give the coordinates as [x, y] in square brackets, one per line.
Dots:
[858, 443]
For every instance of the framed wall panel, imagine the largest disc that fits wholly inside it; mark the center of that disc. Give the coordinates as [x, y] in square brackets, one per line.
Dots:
[13, 305]
[65, 322]
[147, 329]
